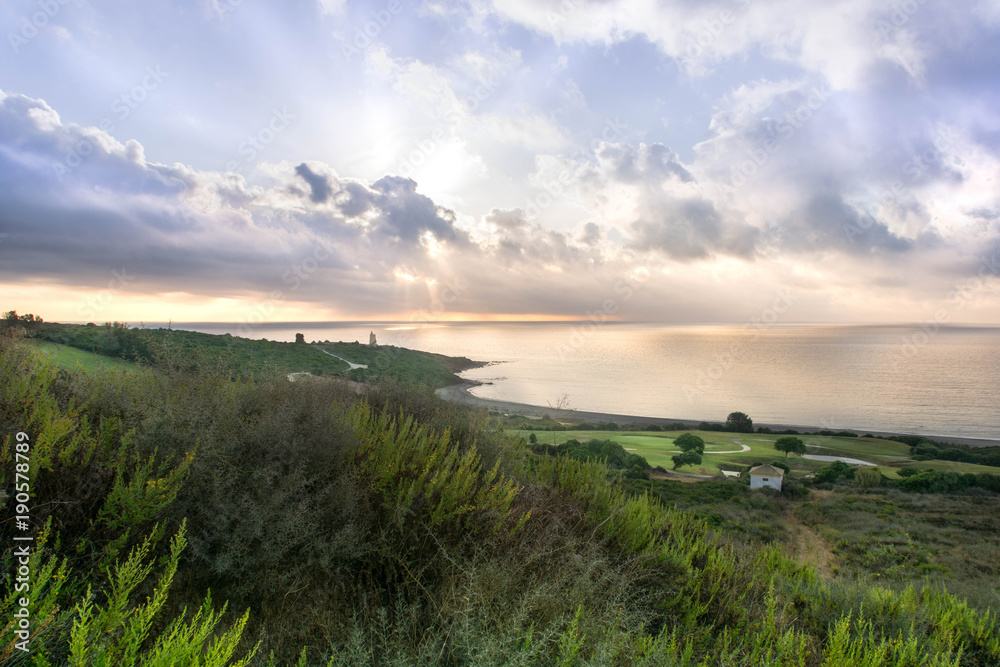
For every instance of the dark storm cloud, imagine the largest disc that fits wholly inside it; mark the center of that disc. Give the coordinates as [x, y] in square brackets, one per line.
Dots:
[319, 186]
[405, 215]
[76, 220]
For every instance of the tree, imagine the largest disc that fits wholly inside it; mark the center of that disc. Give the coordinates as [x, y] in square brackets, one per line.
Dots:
[533, 439]
[866, 477]
[689, 458]
[689, 442]
[739, 422]
[790, 444]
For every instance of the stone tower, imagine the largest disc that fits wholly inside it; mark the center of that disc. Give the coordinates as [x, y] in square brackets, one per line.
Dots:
[371, 340]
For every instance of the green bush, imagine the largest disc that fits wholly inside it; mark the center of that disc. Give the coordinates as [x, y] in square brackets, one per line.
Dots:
[833, 472]
[866, 477]
[933, 481]
[608, 451]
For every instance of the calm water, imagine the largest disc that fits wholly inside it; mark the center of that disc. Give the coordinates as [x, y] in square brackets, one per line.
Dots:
[896, 378]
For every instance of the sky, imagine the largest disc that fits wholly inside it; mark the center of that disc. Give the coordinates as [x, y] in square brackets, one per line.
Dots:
[728, 161]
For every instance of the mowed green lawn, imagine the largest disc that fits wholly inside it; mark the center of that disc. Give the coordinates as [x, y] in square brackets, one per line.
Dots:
[70, 358]
[721, 454]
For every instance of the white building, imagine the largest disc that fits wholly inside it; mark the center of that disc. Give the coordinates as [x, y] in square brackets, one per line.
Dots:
[766, 475]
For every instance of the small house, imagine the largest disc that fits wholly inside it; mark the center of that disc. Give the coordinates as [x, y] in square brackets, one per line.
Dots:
[766, 475]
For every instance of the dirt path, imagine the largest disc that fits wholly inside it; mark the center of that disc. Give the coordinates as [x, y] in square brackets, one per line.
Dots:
[808, 546]
[349, 363]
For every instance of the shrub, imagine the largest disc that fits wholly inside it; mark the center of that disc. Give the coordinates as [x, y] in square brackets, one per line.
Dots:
[792, 488]
[865, 477]
[989, 481]
[120, 633]
[832, 472]
[933, 481]
[781, 464]
[708, 426]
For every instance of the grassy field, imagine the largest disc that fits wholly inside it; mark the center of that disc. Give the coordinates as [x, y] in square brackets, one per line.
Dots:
[721, 454]
[899, 537]
[70, 358]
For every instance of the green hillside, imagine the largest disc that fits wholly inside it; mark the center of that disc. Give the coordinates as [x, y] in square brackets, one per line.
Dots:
[70, 358]
[315, 526]
[247, 357]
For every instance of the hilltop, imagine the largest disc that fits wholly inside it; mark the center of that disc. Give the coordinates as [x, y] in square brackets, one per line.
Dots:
[245, 357]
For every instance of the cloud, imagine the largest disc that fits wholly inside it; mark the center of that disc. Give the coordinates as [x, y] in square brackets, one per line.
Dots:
[591, 234]
[648, 192]
[212, 234]
[331, 6]
[77, 204]
[320, 188]
[534, 131]
[840, 40]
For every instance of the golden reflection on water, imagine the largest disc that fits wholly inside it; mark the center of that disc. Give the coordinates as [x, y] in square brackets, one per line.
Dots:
[835, 376]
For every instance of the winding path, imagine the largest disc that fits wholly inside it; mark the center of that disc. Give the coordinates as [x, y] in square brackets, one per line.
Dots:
[743, 449]
[349, 363]
[845, 459]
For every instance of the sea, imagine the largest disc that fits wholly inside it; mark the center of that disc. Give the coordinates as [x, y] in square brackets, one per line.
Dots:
[932, 380]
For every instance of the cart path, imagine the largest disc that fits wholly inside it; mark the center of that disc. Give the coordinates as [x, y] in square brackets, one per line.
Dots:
[743, 449]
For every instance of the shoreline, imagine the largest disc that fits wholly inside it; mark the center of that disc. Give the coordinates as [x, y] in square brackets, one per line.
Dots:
[460, 394]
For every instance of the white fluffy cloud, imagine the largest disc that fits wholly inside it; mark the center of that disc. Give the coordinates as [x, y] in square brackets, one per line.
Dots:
[840, 40]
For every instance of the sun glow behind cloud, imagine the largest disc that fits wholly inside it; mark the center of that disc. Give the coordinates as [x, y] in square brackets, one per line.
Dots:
[515, 173]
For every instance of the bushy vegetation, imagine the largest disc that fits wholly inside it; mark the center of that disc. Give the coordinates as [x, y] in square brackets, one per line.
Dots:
[191, 350]
[611, 453]
[898, 538]
[400, 365]
[924, 449]
[306, 524]
[244, 357]
[911, 479]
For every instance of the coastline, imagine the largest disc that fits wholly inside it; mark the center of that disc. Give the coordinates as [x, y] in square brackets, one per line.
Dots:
[460, 394]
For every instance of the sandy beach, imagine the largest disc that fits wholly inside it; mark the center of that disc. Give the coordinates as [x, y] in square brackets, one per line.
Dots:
[460, 393]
